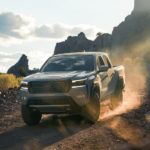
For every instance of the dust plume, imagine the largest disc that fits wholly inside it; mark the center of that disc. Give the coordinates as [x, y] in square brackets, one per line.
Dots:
[135, 58]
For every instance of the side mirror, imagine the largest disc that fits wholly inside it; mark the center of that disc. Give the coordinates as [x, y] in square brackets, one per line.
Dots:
[103, 68]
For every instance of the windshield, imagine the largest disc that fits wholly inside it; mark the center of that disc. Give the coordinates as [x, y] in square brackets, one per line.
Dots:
[69, 63]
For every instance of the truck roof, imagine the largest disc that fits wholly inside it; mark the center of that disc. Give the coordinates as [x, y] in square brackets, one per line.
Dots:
[82, 53]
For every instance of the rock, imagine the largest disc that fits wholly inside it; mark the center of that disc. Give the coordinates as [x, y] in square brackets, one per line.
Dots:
[21, 68]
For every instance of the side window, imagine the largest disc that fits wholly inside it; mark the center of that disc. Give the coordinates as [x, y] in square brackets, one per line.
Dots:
[106, 61]
[100, 62]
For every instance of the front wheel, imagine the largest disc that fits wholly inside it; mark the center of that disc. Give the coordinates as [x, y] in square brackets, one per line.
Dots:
[116, 99]
[92, 110]
[30, 117]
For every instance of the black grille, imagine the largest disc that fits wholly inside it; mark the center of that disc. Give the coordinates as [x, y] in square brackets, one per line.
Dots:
[39, 87]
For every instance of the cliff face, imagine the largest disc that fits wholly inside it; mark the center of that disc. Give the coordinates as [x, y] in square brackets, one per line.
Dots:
[134, 28]
[141, 6]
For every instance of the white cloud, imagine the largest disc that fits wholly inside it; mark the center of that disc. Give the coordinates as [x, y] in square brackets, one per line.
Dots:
[3, 68]
[7, 60]
[57, 31]
[16, 28]
[34, 58]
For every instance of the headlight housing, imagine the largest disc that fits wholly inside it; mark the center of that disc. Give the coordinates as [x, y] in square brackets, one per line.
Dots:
[78, 82]
[24, 85]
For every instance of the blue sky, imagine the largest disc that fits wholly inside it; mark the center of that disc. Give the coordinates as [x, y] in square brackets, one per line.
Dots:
[34, 26]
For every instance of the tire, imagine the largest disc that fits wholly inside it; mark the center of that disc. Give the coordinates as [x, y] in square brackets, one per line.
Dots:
[30, 117]
[116, 99]
[92, 110]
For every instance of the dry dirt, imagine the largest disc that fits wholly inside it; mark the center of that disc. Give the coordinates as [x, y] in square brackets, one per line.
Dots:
[128, 127]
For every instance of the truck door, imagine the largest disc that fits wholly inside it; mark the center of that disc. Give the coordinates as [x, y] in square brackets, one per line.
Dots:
[103, 76]
[112, 76]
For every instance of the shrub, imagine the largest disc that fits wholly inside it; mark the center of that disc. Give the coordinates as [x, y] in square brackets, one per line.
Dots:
[8, 81]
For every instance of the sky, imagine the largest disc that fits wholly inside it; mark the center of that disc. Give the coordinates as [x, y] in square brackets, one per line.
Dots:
[33, 27]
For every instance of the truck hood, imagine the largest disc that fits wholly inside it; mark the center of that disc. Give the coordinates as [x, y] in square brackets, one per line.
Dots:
[73, 75]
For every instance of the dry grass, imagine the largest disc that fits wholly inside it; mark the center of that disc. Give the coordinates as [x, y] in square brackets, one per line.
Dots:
[8, 81]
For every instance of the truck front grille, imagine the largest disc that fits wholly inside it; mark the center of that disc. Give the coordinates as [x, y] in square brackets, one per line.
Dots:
[40, 87]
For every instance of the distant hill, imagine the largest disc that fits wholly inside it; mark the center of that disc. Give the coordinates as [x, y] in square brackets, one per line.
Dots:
[134, 28]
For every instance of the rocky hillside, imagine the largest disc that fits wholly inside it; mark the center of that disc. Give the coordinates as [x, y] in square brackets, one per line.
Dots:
[134, 28]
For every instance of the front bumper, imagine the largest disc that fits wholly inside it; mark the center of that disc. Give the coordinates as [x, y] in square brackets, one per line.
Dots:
[56, 102]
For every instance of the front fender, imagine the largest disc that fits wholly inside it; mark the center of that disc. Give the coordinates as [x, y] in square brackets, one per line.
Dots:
[96, 86]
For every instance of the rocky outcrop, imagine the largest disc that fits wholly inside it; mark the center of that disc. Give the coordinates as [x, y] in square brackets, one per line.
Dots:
[74, 44]
[21, 68]
[134, 28]
[81, 43]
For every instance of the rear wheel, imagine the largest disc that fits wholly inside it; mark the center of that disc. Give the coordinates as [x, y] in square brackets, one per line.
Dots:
[30, 117]
[116, 99]
[92, 109]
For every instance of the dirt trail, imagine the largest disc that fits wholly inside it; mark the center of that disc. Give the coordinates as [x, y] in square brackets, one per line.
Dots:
[126, 127]
[50, 130]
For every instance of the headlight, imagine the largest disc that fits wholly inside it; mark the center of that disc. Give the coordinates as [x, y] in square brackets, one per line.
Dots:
[78, 82]
[24, 84]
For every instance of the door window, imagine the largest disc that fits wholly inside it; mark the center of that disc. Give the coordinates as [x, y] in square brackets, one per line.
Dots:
[100, 62]
[106, 61]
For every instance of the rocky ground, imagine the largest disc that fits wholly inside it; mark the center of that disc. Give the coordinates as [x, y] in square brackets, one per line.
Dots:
[9, 109]
[128, 127]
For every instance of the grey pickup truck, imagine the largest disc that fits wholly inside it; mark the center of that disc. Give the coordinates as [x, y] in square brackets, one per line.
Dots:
[73, 83]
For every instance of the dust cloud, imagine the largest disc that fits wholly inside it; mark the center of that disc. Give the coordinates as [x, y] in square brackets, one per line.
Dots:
[136, 61]
[137, 64]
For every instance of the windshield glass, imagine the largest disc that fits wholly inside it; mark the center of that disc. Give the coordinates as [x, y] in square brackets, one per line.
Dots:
[69, 63]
